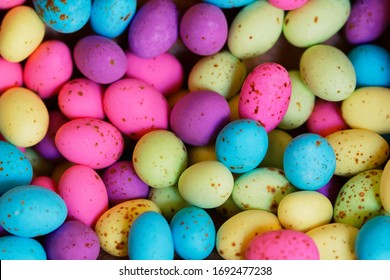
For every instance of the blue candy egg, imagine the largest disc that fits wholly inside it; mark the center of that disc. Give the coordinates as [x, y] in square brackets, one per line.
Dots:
[110, 18]
[241, 145]
[193, 233]
[150, 238]
[31, 211]
[309, 161]
[230, 3]
[21, 248]
[64, 16]
[372, 65]
[372, 241]
[15, 168]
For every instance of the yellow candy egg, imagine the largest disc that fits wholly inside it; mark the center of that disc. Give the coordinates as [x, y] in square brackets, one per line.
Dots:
[201, 153]
[277, 143]
[24, 118]
[384, 188]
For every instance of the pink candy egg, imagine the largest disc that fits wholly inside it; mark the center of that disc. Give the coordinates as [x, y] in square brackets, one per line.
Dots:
[81, 98]
[7, 4]
[91, 142]
[48, 68]
[282, 244]
[46, 182]
[84, 194]
[164, 71]
[325, 118]
[100, 59]
[265, 95]
[11, 75]
[287, 4]
[135, 107]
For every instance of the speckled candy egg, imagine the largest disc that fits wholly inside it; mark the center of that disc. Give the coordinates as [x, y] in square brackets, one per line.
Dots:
[284, 244]
[206, 184]
[64, 16]
[150, 238]
[372, 240]
[199, 116]
[357, 150]
[201, 153]
[368, 20]
[122, 183]
[11, 74]
[278, 141]
[89, 141]
[73, 240]
[229, 3]
[235, 234]
[48, 68]
[135, 107]
[21, 248]
[384, 188]
[154, 28]
[100, 59]
[111, 18]
[241, 145]
[204, 29]
[31, 211]
[359, 199]
[193, 233]
[261, 188]
[288, 4]
[159, 158]
[309, 161]
[265, 95]
[114, 225]
[85, 203]
[7, 4]
[15, 168]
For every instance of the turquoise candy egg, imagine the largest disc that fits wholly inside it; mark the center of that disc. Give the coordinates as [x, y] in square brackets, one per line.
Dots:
[372, 65]
[372, 241]
[64, 16]
[15, 168]
[309, 161]
[21, 248]
[150, 238]
[193, 233]
[110, 18]
[229, 3]
[31, 211]
[241, 145]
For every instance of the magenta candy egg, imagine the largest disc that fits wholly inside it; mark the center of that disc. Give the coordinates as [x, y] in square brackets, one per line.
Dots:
[92, 142]
[100, 59]
[204, 29]
[325, 118]
[84, 193]
[265, 95]
[199, 116]
[48, 68]
[7, 4]
[367, 21]
[123, 183]
[287, 4]
[81, 98]
[164, 71]
[154, 28]
[73, 240]
[11, 74]
[46, 182]
[282, 244]
[135, 107]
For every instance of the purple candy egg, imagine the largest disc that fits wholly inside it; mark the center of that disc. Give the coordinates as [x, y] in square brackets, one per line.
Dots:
[73, 240]
[154, 28]
[204, 29]
[100, 59]
[332, 188]
[198, 117]
[123, 183]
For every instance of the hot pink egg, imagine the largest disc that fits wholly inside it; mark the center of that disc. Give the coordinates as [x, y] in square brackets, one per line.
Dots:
[46, 182]
[84, 194]
[287, 4]
[89, 141]
[7, 4]
[48, 68]
[282, 244]
[265, 95]
[11, 75]
[135, 107]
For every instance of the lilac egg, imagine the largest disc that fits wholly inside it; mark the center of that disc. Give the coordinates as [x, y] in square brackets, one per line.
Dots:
[154, 28]
[198, 117]
[332, 188]
[100, 59]
[123, 183]
[73, 240]
[204, 29]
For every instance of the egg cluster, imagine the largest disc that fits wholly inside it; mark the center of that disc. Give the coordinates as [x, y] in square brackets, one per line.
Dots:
[162, 129]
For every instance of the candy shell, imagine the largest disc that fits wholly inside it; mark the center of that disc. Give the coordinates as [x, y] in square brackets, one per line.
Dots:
[21, 248]
[11, 74]
[384, 188]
